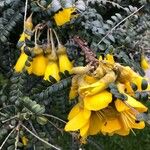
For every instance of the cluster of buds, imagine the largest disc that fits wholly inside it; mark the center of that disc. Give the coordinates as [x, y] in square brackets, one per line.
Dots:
[107, 100]
[42, 60]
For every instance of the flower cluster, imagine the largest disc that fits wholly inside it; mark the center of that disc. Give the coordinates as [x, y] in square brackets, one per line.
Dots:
[101, 108]
[42, 60]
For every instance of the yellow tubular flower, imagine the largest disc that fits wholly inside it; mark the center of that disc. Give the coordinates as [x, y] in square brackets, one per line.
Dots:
[98, 86]
[39, 65]
[144, 63]
[52, 68]
[97, 101]
[64, 62]
[64, 16]
[21, 62]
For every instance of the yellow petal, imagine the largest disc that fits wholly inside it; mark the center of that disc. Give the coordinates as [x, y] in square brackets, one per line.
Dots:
[73, 93]
[64, 63]
[100, 58]
[95, 123]
[74, 111]
[53, 70]
[84, 130]
[63, 16]
[98, 86]
[90, 79]
[21, 62]
[29, 69]
[139, 125]
[39, 65]
[74, 88]
[121, 106]
[144, 63]
[110, 58]
[136, 104]
[98, 101]
[78, 121]
[111, 125]
[123, 132]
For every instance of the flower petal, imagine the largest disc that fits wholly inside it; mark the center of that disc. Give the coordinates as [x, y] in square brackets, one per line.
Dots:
[74, 111]
[21, 62]
[111, 125]
[98, 101]
[84, 130]
[95, 123]
[78, 121]
[39, 65]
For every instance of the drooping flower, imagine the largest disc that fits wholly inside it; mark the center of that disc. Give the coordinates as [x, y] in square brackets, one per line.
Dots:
[52, 68]
[39, 65]
[64, 63]
[21, 62]
[64, 16]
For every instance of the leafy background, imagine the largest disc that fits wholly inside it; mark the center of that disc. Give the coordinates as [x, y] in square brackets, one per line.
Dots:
[20, 93]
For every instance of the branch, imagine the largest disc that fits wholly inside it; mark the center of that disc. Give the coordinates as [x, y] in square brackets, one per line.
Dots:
[7, 138]
[50, 145]
[120, 24]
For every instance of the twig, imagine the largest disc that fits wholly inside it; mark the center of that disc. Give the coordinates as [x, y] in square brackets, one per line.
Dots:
[90, 57]
[55, 126]
[120, 24]
[7, 138]
[25, 13]
[17, 140]
[32, 127]
[50, 145]
[54, 117]
[10, 119]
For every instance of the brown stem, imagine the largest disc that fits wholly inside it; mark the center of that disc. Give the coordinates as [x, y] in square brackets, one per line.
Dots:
[89, 55]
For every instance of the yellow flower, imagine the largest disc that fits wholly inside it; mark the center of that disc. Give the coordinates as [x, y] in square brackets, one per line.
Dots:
[39, 65]
[97, 101]
[52, 70]
[144, 63]
[21, 62]
[92, 122]
[128, 112]
[88, 122]
[64, 16]
[64, 62]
